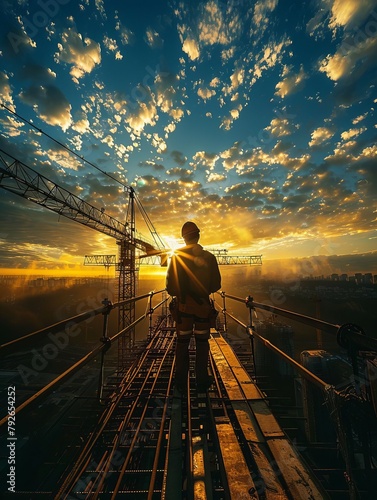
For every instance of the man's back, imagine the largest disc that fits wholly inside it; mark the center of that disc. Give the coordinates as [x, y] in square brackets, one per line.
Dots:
[193, 271]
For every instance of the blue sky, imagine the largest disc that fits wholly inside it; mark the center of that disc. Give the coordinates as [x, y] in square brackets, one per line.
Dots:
[256, 119]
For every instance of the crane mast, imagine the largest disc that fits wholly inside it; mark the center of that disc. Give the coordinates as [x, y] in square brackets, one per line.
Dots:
[127, 282]
[20, 179]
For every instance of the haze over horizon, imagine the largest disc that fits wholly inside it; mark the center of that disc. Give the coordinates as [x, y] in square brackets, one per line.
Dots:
[255, 119]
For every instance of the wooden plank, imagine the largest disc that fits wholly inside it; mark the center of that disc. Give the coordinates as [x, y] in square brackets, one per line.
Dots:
[266, 421]
[231, 385]
[239, 479]
[268, 482]
[251, 390]
[299, 481]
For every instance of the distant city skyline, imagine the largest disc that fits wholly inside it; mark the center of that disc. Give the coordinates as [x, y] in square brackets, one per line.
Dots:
[255, 119]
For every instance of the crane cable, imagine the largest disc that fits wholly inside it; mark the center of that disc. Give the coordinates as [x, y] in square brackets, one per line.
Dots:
[145, 215]
[64, 146]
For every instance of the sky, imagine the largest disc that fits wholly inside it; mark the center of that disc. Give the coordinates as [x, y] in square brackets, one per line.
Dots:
[255, 119]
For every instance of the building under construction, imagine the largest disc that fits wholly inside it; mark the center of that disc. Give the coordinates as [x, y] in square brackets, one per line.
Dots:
[113, 425]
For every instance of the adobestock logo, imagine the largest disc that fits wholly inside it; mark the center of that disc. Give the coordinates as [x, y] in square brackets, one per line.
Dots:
[40, 19]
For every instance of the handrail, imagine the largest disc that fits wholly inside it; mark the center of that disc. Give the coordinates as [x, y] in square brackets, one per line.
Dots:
[74, 320]
[252, 333]
[314, 322]
[349, 335]
[100, 348]
[304, 371]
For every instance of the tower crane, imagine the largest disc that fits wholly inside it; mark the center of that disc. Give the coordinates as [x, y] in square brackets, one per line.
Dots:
[20, 179]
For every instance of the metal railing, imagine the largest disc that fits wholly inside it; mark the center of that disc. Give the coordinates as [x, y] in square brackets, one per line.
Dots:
[67, 325]
[357, 394]
[349, 335]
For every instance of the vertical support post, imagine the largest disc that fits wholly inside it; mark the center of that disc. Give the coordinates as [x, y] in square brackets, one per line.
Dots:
[249, 304]
[150, 313]
[223, 295]
[106, 340]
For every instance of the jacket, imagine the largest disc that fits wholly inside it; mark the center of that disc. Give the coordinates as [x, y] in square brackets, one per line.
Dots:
[193, 272]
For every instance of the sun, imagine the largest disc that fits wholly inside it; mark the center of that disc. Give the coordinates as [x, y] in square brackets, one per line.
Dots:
[173, 244]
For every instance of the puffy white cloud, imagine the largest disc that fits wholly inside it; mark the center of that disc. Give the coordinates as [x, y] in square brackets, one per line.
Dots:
[320, 136]
[348, 57]
[5, 90]
[359, 118]
[350, 13]
[351, 133]
[191, 47]
[291, 83]
[81, 123]
[262, 9]
[281, 126]
[204, 159]
[211, 24]
[83, 55]
[215, 177]
[206, 93]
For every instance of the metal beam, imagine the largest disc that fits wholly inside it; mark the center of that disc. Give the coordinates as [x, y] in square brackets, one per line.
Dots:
[100, 260]
[226, 260]
[17, 178]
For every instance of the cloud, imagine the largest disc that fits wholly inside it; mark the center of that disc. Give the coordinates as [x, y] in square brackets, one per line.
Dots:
[83, 55]
[320, 136]
[348, 58]
[112, 46]
[50, 104]
[153, 39]
[11, 126]
[291, 83]
[351, 133]
[345, 16]
[360, 118]
[168, 96]
[127, 37]
[214, 177]
[209, 24]
[138, 111]
[262, 9]
[178, 157]
[350, 13]
[280, 127]
[206, 93]
[81, 123]
[100, 7]
[204, 159]
[37, 73]
[5, 90]
[191, 47]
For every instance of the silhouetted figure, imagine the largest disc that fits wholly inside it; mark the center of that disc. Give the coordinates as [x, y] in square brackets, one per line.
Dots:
[193, 274]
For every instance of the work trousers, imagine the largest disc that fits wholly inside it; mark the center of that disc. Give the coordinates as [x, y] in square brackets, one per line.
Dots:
[193, 319]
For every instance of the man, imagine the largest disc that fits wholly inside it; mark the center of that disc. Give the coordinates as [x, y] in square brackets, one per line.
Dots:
[193, 274]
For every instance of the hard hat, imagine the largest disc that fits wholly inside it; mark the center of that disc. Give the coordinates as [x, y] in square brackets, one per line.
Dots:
[190, 229]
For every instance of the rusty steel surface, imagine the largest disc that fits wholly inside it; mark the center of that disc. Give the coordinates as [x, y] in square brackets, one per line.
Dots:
[156, 442]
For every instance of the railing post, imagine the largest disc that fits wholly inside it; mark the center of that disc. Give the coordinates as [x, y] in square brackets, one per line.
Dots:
[107, 344]
[150, 312]
[223, 295]
[249, 301]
